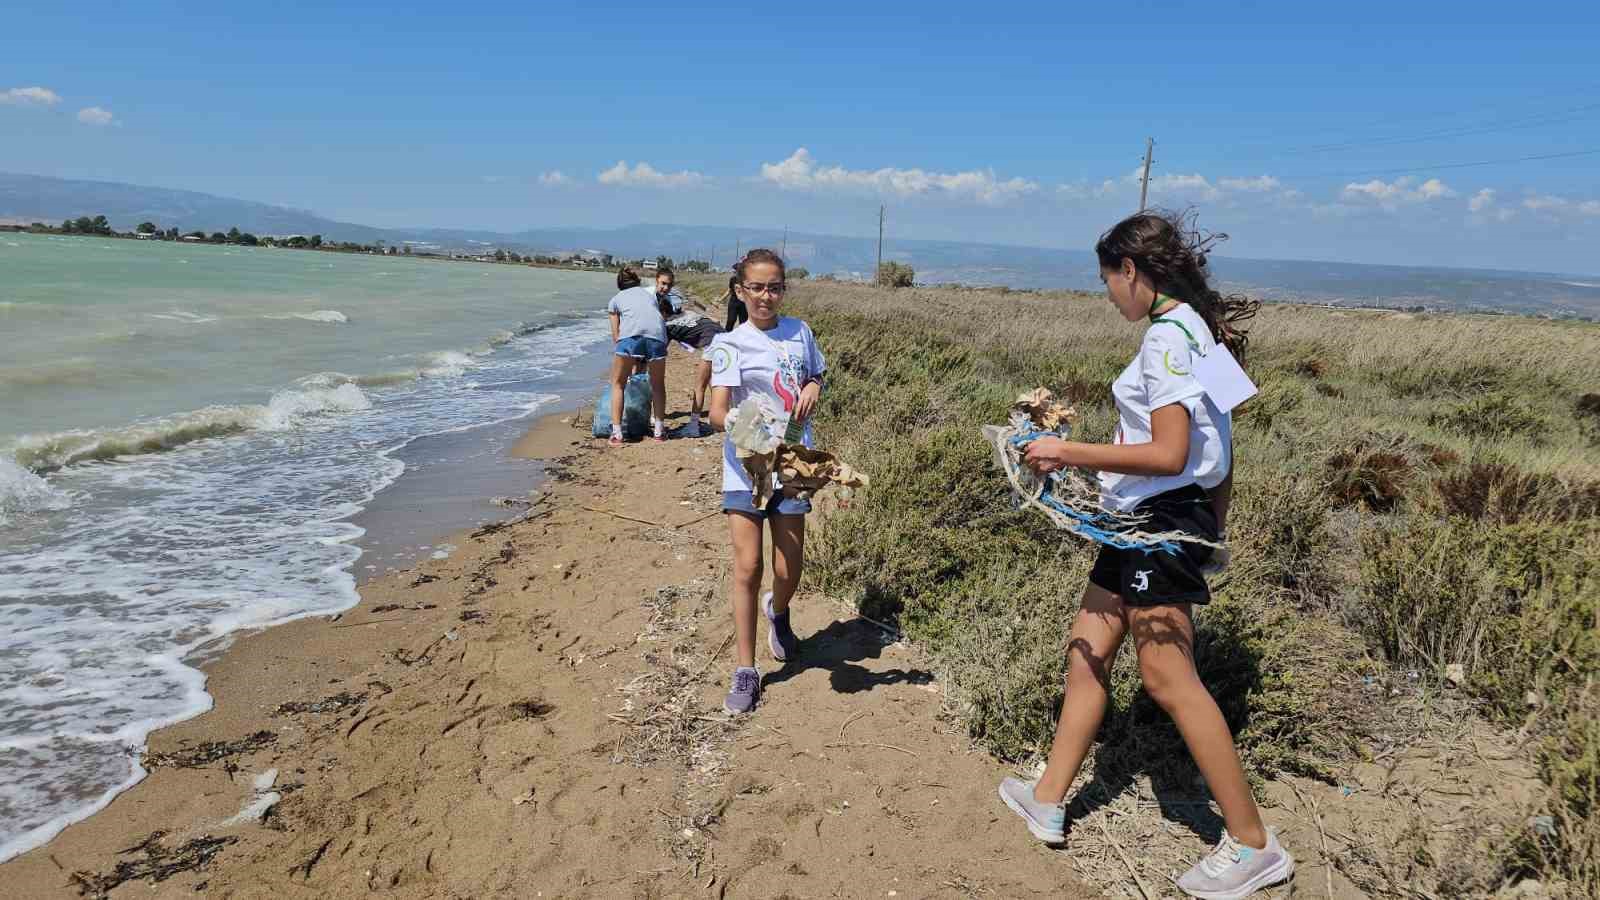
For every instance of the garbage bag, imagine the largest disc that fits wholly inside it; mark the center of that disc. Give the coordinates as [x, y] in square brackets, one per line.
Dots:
[635, 409]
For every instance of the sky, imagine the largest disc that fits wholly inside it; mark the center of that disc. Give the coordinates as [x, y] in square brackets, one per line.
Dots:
[1351, 131]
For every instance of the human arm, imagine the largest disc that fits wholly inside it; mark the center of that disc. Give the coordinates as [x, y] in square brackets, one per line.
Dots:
[720, 398]
[1166, 453]
[811, 391]
[616, 325]
[1222, 495]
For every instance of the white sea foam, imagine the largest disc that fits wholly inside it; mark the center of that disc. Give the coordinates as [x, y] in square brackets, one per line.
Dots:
[325, 316]
[23, 493]
[104, 608]
[448, 364]
[185, 316]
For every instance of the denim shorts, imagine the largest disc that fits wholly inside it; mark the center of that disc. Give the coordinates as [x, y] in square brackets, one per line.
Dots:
[777, 504]
[641, 347]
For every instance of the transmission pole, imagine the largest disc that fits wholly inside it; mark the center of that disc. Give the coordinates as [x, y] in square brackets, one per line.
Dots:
[784, 249]
[880, 244]
[1144, 180]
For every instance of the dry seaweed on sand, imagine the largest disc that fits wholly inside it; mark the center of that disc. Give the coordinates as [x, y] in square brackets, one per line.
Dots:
[334, 703]
[158, 863]
[210, 752]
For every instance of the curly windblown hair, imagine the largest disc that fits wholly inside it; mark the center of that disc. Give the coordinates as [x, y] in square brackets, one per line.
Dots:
[1171, 251]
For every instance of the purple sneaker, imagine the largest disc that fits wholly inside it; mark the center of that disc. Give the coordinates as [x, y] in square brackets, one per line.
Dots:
[781, 639]
[746, 690]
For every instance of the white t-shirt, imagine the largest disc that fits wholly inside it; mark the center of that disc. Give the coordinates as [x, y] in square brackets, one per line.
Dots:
[771, 366]
[1160, 376]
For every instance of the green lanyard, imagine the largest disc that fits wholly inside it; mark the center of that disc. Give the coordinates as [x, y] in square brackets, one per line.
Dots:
[1155, 319]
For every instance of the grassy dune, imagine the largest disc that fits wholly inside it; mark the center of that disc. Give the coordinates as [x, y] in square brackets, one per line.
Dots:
[1412, 492]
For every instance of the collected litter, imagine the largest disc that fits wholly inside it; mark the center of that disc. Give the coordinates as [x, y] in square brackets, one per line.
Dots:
[1069, 498]
[758, 441]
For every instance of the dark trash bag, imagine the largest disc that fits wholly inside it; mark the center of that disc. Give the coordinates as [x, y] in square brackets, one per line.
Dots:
[635, 409]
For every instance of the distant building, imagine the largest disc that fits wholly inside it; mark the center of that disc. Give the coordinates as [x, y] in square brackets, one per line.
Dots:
[193, 238]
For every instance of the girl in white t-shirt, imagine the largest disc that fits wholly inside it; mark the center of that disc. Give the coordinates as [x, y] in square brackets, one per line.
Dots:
[1172, 461]
[775, 360]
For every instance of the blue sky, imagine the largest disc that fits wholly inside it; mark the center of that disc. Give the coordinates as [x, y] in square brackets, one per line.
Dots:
[1300, 135]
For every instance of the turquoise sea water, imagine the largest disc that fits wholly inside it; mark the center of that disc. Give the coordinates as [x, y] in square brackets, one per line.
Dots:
[185, 432]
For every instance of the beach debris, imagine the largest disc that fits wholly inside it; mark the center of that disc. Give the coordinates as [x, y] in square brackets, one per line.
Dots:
[1532, 700]
[305, 866]
[803, 471]
[800, 470]
[423, 579]
[158, 863]
[1069, 498]
[210, 752]
[1543, 826]
[1455, 673]
[262, 799]
[511, 502]
[335, 703]
[391, 607]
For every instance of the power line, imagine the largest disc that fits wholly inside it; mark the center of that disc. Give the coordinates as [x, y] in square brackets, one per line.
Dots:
[1464, 165]
[1550, 118]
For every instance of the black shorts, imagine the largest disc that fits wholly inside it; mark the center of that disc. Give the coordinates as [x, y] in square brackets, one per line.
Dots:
[1157, 577]
[696, 334]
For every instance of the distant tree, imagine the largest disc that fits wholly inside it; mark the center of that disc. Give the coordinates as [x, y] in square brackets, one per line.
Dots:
[608, 262]
[147, 228]
[895, 275]
[218, 237]
[83, 225]
[696, 265]
[798, 273]
[99, 225]
[196, 234]
[172, 233]
[248, 239]
[664, 262]
[233, 234]
[68, 226]
[499, 255]
[316, 240]
[408, 250]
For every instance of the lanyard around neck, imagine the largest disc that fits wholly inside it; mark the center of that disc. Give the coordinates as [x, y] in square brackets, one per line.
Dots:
[1156, 320]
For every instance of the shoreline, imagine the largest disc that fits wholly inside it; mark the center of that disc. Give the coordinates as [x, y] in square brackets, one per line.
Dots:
[540, 712]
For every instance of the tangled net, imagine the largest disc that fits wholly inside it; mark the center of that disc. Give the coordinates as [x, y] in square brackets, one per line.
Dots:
[1069, 498]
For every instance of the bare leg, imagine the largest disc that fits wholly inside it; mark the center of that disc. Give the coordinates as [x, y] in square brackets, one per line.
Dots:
[658, 387]
[1164, 636]
[788, 558]
[745, 534]
[620, 367]
[704, 371]
[1097, 634]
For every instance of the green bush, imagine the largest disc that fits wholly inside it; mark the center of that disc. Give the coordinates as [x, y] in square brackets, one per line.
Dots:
[895, 275]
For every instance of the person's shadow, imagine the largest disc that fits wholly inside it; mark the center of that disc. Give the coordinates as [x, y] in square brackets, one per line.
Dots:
[838, 648]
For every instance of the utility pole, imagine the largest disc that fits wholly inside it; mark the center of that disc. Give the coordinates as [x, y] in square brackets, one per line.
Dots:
[880, 244]
[784, 251]
[1144, 180]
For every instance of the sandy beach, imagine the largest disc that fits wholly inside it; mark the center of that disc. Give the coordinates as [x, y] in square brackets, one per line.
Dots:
[539, 715]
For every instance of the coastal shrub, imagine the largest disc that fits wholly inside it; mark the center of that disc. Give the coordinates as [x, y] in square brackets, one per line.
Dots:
[895, 275]
[1375, 478]
[1494, 416]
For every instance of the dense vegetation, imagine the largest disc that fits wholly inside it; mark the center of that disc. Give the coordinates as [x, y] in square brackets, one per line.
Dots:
[1413, 494]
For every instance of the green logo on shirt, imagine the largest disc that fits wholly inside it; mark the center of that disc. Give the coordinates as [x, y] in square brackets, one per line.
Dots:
[1166, 360]
[720, 358]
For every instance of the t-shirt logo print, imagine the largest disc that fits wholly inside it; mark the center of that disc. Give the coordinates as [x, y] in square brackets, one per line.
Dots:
[786, 383]
[1141, 580]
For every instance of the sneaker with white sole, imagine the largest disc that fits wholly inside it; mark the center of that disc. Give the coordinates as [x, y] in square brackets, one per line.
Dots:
[1232, 870]
[781, 639]
[745, 692]
[658, 430]
[1047, 821]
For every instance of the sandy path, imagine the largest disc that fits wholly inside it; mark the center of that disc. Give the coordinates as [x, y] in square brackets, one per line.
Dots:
[541, 716]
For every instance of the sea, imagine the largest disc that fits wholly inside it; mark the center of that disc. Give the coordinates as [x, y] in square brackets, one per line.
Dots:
[196, 440]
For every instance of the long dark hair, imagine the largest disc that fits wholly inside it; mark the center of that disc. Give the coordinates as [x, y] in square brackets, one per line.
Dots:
[738, 313]
[1171, 251]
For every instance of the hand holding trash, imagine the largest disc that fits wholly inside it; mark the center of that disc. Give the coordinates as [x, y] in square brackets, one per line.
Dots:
[756, 436]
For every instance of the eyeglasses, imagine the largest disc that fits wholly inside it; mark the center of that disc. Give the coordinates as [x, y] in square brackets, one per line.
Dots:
[774, 289]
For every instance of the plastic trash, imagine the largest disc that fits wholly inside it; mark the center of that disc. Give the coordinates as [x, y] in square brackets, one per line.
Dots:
[635, 409]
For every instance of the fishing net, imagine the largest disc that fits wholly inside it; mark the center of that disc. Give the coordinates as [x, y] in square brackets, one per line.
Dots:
[1069, 498]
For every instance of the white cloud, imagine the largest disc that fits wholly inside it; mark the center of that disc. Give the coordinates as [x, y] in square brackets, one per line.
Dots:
[29, 96]
[645, 175]
[554, 178]
[1390, 194]
[94, 115]
[1482, 200]
[1260, 184]
[1553, 204]
[800, 172]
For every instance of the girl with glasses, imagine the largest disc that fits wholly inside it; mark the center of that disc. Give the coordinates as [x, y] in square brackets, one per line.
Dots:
[775, 360]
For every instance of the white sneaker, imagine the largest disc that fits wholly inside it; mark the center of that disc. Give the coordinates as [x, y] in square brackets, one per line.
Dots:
[1233, 871]
[658, 430]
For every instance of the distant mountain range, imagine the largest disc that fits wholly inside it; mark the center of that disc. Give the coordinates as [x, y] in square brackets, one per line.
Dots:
[29, 198]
